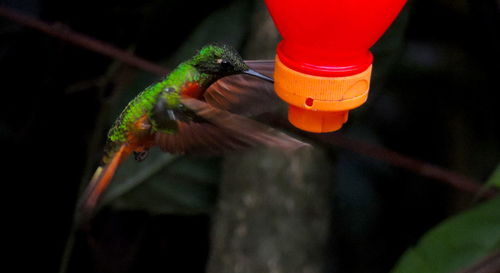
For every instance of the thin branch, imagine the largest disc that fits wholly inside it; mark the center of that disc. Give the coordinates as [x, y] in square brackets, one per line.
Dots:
[65, 33]
[489, 264]
[393, 158]
[422, 168]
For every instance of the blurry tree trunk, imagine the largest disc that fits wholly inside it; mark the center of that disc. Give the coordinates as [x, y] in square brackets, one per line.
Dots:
[273, 210]
[273, 213]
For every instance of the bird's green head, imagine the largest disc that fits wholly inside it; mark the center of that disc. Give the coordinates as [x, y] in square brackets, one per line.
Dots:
[222, 60]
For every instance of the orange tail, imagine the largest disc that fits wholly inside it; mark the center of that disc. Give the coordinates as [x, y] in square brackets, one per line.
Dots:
[99, 182]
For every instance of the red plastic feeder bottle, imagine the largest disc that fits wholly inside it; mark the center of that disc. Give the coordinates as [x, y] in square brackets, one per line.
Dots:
[323, 63]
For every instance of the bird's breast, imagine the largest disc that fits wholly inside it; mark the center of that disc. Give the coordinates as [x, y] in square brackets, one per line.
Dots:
[140, 136]
[191, 89]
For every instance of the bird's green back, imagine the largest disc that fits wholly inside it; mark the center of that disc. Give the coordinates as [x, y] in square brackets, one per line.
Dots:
[186, 72]
[144, 102]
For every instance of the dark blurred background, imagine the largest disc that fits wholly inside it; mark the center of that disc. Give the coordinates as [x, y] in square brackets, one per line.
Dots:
[433, 97]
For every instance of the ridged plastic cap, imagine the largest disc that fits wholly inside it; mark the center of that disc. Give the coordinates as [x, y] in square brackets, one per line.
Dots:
[320, 104]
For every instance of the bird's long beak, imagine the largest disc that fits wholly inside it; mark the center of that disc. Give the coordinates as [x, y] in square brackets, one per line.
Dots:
[258, 75]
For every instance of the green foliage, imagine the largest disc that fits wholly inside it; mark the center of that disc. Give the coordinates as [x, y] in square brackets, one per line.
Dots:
[494, 180]
[456, 243]
[131, 174]
[165, 183]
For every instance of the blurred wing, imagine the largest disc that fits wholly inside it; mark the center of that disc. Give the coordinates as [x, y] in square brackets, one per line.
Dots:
[219, 131]
[243, 94]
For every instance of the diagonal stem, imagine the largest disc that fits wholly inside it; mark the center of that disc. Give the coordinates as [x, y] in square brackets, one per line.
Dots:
[419, 167]
[65, 33]
[489, 264]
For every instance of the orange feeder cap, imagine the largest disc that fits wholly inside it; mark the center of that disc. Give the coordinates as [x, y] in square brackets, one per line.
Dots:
[320, 104]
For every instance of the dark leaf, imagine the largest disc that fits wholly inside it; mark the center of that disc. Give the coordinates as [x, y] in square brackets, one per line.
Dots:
[164, 183]
[494, 180]
[456, 243]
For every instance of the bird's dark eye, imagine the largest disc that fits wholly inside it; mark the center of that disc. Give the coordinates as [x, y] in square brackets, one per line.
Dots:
[226, 65]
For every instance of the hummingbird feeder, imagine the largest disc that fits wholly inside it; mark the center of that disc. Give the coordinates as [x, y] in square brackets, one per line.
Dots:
[323, 63]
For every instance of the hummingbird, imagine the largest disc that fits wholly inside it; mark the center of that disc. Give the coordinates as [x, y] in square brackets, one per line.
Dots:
[199, 108]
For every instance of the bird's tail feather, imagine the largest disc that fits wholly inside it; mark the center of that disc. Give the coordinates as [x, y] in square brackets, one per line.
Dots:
[99, 182]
